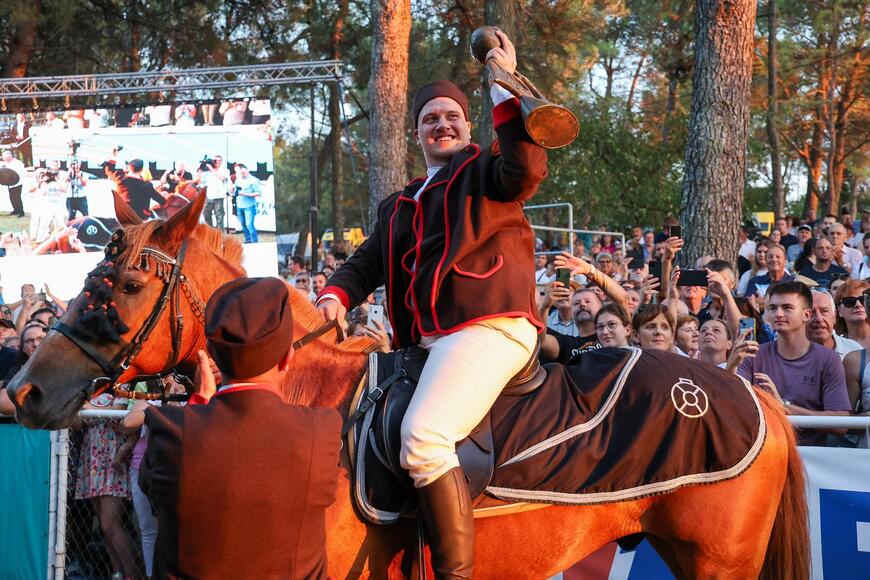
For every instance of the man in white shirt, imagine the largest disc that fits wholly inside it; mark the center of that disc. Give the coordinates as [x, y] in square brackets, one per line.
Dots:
[214, 178]
[844, 256]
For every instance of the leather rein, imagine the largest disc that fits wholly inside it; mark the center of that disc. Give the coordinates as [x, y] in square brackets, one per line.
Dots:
[173, 282]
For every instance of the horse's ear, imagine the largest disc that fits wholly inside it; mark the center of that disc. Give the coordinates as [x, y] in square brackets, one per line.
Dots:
[125, 214]
[182, 223]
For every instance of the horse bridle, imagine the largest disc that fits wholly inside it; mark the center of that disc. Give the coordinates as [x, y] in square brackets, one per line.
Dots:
[169, 296]
[119, 363]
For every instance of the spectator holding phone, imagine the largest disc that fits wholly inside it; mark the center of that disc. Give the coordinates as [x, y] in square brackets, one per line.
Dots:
[714, 343]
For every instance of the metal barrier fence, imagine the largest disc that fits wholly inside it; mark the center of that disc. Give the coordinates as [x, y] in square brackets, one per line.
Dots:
[94, 531]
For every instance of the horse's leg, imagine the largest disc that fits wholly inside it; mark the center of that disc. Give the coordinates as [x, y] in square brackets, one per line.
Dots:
[722, 530]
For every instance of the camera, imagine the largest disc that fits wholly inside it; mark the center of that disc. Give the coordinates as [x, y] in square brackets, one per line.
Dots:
[206, 164]
[74, 144]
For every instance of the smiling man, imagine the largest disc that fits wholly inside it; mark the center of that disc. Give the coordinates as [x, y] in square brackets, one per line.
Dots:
[456, 255]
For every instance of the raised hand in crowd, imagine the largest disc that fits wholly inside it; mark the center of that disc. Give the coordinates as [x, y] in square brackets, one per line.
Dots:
[556, 291]
[743, 348]
[718, 287]
[649, 287]
[578, 266]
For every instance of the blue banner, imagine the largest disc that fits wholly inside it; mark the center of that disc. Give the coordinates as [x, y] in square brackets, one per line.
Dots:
[25, 457]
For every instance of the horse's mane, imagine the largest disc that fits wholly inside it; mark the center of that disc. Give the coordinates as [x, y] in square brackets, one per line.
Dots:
[224, 246]
[307, 316]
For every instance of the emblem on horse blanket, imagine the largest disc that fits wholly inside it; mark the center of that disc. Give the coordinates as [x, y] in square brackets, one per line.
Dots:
[615, 425]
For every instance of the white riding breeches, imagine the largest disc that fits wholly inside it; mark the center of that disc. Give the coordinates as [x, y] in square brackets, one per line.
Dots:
[464, 374]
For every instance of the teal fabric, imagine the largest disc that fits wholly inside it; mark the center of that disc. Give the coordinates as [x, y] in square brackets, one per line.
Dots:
[25, 458]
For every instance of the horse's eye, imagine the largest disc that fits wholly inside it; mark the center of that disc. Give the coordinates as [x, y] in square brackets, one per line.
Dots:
[132, 288]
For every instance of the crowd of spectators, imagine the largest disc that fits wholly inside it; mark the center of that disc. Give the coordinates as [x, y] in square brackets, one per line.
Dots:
[790, 315]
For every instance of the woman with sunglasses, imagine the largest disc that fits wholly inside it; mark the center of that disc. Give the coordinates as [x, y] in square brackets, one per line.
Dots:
[851, 313]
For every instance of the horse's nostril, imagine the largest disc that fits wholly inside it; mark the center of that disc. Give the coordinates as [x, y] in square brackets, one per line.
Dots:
[22, 392]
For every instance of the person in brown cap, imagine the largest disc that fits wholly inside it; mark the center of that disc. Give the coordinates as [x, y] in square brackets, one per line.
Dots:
[230, 502]
[456, 254]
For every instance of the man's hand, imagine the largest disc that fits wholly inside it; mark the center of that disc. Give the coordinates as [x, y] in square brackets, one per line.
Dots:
[557, 291]
[671, 246]
[716, 283]
[379, 334]
[766, 383]
[332, 309]
[577, 265]
[743, 349]
[206, 376]
[506, 56]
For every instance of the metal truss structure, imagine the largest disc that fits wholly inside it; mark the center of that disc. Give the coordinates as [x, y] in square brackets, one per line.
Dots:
[194, 80]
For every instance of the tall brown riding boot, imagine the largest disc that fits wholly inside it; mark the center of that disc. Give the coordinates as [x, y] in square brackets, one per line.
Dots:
[445, 506]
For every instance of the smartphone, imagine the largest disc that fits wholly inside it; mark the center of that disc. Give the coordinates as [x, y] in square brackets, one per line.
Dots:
[563, 275]
[676, 232]
[376, 314]
[655, 269]
[636, 264]
[748, 323]
[692, 278]
[40, 296]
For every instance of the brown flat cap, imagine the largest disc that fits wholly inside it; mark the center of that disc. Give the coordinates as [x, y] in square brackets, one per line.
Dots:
[434, 90]
[249, 326]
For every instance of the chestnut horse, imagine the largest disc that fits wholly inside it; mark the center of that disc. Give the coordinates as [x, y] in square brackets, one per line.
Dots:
[749, 526]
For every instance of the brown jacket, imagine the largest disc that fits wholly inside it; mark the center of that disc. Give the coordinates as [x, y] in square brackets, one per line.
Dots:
[464, 251]
[241, 486]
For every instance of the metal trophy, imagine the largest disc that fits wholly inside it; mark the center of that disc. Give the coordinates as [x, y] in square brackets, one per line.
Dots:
[548, 124]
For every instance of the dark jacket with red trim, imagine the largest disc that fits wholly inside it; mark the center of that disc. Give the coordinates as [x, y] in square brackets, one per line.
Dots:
[467, 235]
[241, 486]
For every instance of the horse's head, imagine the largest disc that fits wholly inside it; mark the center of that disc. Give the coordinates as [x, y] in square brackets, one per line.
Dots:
[139, 285]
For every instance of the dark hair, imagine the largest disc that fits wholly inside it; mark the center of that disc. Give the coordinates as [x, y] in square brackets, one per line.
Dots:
[240, 165]
[39, 311]
[648, 312]
[298, 260]
[792, 287]
[803, 259]
[830, 215]
[718, 265]
[722, 322]
[616, 310]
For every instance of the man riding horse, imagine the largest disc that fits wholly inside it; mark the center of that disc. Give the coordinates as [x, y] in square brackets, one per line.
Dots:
[456, 254]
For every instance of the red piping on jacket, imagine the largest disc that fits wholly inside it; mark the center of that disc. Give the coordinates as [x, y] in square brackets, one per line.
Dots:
[485, 275]
[446, 239]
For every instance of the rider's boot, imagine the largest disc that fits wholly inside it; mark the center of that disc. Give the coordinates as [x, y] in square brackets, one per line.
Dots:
[445, 506]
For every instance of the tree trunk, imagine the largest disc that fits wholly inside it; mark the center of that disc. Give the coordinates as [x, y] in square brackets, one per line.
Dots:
[715, 166]
[22, 45]
[630, 100]
[388, 99]
[501, 13]
[337, 177]
[772, 137]
[833, 194]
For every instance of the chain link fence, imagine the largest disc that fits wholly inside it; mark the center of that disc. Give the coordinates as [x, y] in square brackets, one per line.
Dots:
[98, 532]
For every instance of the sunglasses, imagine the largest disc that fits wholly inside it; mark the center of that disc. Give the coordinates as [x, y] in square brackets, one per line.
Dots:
[852, 301]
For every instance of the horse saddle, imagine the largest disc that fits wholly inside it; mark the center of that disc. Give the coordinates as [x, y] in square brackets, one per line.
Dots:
[383, 489]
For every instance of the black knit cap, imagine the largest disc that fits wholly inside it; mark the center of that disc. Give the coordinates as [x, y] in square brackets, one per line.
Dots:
[434, 90]
[249, 326]
[136, 164]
